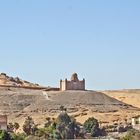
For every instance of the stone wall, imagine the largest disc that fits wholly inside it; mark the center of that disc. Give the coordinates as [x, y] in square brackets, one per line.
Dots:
[3, 122]
[78, 85]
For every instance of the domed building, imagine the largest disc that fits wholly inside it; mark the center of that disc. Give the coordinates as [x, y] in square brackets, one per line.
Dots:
[73, 84]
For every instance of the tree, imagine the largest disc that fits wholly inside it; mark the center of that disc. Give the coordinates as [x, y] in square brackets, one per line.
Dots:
[4, 135]
[42, 133]
[29, 126]
[10, 127]
[63, 109]
[16, 126]
[48, 123]
[132, 135]
[66, 127]
[92, 126]
[63, 117]
[19, 136]
[127, 138]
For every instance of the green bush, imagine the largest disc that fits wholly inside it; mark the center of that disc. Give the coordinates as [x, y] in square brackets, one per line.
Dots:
[132, 135]
[127, 137]
[92, 126]
[42, 133]
[66, 127]
[19, 136]
[63, 118]
[4, 135]
[29, 127]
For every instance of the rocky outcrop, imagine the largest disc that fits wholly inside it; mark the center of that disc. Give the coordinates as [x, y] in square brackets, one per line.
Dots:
[11, 81]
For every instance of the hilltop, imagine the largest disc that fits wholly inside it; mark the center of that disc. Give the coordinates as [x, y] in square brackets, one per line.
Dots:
[11, 81]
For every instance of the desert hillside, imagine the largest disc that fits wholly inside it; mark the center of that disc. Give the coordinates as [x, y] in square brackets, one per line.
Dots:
[11, 81]
[19, 103]
[131, 96]
[27, 100]
[108, 107]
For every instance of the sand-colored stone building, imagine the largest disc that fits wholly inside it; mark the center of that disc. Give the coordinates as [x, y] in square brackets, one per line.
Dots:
[3, 122]
[136, 122]
[73, 84]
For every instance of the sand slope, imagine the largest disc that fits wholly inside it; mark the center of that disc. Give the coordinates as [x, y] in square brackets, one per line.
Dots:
[131, 96]
[18, 103]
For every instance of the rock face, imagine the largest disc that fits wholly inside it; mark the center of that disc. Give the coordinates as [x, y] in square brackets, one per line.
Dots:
[10, 81]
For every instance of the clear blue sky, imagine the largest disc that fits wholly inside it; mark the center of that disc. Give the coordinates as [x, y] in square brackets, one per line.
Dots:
[45, 40]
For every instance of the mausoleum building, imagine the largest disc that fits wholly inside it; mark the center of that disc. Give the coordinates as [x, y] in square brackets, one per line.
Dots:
[73, 84]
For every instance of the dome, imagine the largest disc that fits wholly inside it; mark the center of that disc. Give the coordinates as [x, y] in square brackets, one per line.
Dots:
[74, 77]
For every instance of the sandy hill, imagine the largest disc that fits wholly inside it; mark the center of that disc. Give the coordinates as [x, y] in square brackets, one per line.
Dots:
[26, 100]
[18, 103]
[7, 80]
[108, 107]
[130, 96]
